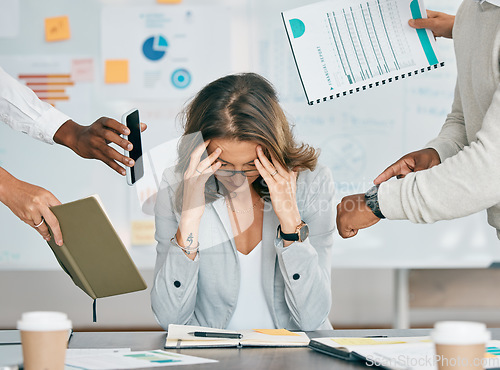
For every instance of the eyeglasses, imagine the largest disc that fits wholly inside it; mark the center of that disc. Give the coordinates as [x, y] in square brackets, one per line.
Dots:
[230, 173]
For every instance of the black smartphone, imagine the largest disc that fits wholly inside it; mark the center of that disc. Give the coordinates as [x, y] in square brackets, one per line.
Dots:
[132, 121]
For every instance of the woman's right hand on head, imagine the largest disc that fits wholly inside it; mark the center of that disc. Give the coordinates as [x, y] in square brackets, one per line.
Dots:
[195, 178]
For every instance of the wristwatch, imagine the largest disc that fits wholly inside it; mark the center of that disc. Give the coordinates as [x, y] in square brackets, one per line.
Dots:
[301, 233]
[371, 199]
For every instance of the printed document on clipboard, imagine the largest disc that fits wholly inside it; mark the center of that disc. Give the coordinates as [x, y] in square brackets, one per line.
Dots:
[342, 47]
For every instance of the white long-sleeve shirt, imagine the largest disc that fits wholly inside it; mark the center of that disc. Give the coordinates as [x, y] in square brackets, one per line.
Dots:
[21, 109]
[468, 178]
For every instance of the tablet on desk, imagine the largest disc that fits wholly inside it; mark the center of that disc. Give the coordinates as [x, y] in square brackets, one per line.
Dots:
[355, 349]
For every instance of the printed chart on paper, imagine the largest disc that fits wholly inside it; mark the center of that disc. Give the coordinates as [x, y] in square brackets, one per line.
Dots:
[368, 41]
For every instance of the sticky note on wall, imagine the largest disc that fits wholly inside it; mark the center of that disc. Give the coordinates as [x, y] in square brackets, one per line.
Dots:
[143, 232]
[116, 71]
[82, 70]
[168, 1]
[57, 29]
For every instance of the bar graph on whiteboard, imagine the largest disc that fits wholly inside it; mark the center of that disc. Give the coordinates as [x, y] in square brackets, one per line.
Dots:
[48, 87]
[64, 82]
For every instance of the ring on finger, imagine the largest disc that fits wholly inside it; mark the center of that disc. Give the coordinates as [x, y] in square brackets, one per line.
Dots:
[274, 173]
[41, 222]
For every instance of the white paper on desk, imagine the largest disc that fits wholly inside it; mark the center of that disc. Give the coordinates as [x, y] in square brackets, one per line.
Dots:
[72, 353]
[133, 360]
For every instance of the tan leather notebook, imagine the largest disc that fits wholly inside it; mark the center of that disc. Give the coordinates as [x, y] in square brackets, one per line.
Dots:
[93, 254]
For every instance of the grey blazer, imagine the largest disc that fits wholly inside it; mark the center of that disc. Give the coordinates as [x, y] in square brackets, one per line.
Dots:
[205, 291]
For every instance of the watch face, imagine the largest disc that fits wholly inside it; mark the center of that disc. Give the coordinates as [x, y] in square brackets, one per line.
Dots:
[304, 232]
[370, 203]
[371, 192]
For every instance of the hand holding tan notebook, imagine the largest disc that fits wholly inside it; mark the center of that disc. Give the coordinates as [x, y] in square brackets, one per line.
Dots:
[93, 254]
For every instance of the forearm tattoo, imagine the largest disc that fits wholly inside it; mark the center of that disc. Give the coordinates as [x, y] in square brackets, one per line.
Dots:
[190, 239]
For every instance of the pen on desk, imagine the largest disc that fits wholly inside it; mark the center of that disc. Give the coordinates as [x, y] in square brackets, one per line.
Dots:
[375, 336]
[205, 334]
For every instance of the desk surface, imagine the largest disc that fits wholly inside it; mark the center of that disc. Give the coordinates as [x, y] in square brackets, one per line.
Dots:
[234, 358]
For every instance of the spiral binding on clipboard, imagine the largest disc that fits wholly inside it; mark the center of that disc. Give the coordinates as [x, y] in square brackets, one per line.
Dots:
[377, 83]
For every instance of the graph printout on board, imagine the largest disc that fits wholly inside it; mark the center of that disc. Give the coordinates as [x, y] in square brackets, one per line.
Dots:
[345, 46]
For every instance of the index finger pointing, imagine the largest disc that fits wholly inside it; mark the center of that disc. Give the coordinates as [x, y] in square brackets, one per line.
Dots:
[399, 168]
[389, 172]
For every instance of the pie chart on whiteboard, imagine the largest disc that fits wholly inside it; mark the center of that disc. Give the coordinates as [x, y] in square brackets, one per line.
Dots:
[155, 47]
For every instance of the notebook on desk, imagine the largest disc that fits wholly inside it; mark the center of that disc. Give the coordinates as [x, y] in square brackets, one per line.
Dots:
[179, 337]
[394, 353]
[346, 348]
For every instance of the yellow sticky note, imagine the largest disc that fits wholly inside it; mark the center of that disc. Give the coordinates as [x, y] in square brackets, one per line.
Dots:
[362, 341]
[116, 71]
[277, 332]
[168, 1]
[57, 28]
[143, 232]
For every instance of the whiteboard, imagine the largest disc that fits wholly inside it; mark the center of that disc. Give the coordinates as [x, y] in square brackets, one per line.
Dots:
[358, 135]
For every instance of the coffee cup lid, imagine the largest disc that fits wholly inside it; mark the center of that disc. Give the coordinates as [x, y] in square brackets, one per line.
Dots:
[44, 321]
[460, 332]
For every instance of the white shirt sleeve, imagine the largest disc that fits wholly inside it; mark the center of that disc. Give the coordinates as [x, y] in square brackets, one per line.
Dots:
[21, 109]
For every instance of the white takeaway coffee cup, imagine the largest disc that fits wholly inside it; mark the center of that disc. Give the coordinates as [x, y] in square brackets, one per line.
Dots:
[44, 338]
[460, 345]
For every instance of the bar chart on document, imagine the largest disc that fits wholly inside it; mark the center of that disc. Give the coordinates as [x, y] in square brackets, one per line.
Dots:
[342, 47]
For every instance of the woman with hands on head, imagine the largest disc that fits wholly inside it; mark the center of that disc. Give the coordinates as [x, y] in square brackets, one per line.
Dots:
[245, 221]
